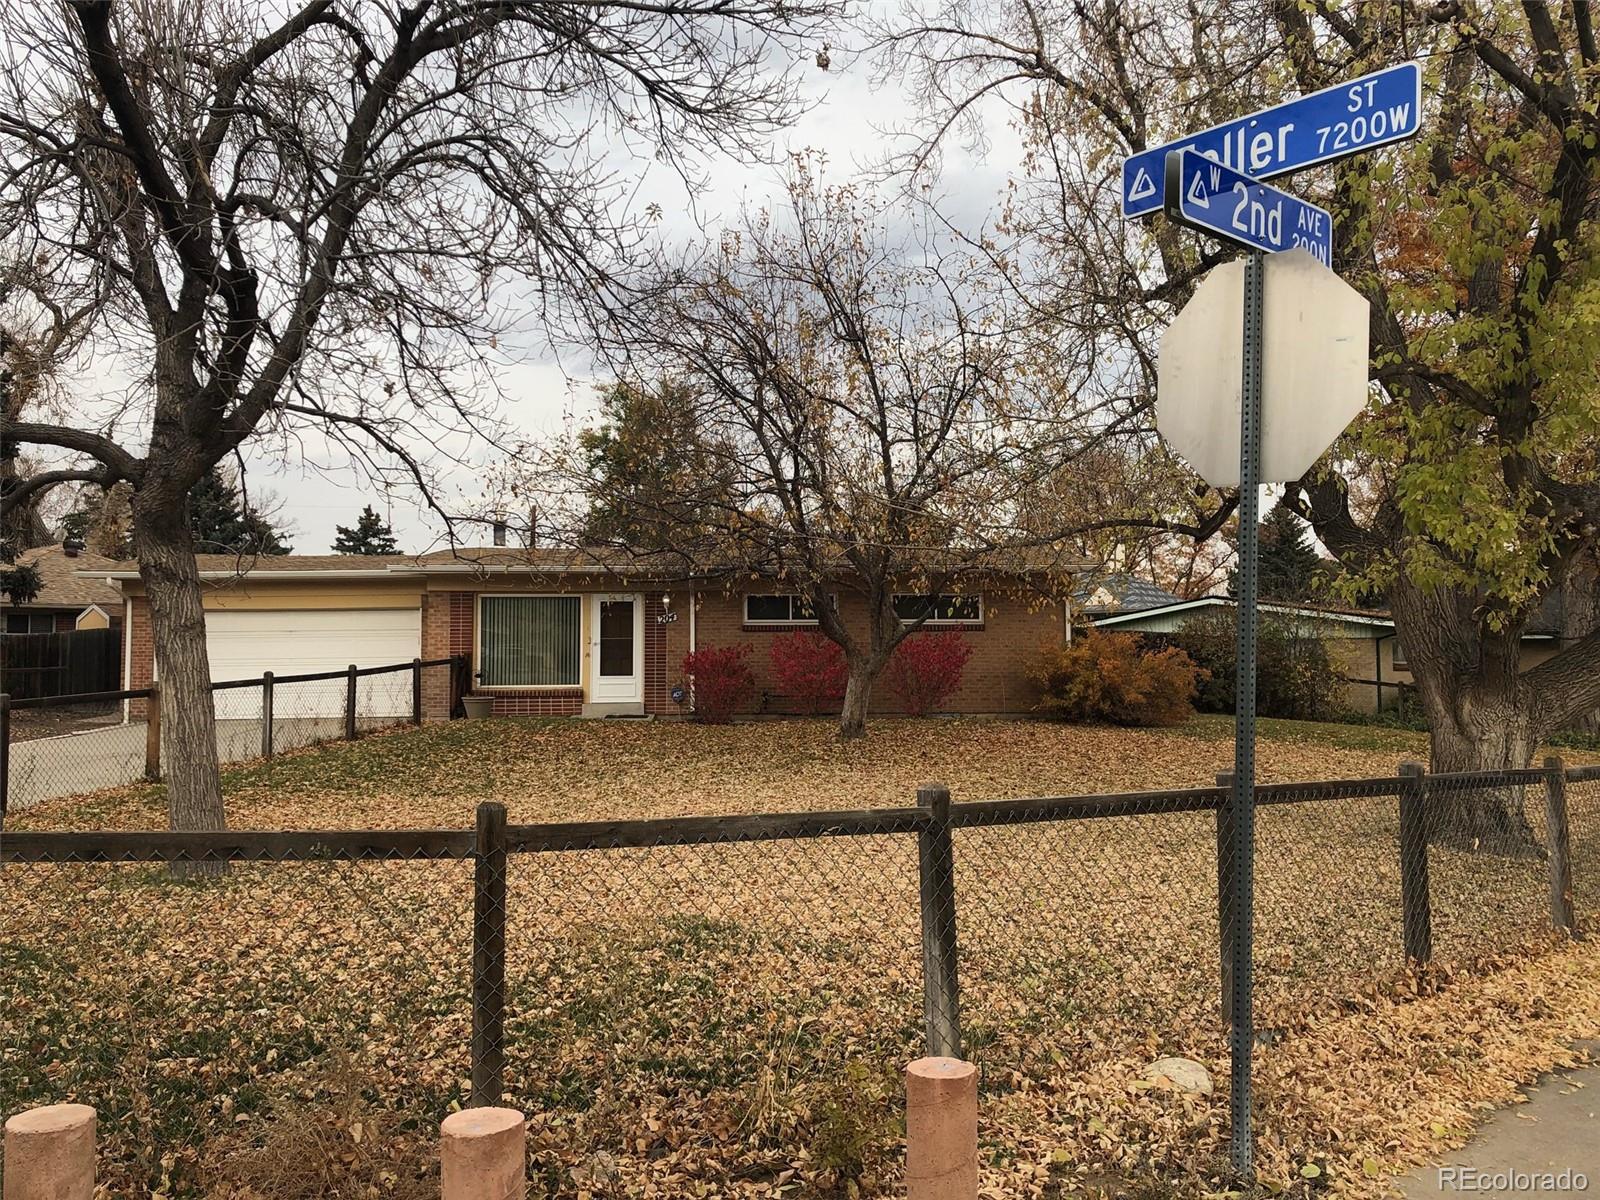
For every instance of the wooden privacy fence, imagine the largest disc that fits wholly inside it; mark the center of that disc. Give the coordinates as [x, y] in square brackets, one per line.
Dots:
[933, 821]
[45, 665]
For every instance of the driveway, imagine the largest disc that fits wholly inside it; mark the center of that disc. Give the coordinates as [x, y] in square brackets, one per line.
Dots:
[71, 764]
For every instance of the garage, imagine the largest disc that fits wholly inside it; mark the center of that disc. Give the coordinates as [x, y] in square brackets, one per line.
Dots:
[244, 643]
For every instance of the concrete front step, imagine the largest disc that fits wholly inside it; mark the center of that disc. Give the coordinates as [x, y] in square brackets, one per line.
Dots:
[630, 709]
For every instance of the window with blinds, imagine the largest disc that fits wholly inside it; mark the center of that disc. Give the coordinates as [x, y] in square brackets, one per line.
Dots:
[530, 641]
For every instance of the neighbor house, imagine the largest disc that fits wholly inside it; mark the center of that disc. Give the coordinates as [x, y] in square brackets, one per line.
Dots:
[75, 592]
[1361, 643]
[553, 632]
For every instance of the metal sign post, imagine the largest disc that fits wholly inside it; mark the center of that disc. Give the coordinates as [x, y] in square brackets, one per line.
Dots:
[1317, 360]
[1244, 735]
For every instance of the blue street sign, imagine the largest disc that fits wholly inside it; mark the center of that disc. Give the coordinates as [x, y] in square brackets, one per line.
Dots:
[1344, 119]
[1215, 199]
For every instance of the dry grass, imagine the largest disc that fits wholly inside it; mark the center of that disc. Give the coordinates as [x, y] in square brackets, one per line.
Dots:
[728, 1020]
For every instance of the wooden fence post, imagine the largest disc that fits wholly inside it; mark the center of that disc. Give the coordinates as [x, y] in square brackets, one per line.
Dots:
[1559, 835]
[941, 1130]
[49, 1153]
[941, 993]
[1416, 911]
[5, 753]
[1225, 905]
[266, 714]
[489, 956]
[483, 1155]
[350, 705]
[460, 684]
[416, 691]
[152, 734]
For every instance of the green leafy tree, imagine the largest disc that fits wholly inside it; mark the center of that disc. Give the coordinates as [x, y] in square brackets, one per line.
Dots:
[221, 523]
[371, 535]
[1472, 483]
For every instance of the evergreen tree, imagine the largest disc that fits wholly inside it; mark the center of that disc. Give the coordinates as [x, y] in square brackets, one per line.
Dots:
[1290, 567]
[371, 535]
[223, 524]
[654, 481]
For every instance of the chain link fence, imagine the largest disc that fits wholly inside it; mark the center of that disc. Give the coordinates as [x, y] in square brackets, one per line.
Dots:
[75, 745]
[723, 1003]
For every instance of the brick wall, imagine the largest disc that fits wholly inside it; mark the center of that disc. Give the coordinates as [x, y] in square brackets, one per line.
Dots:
[1004, 649]
[142, 659]
[436, 644]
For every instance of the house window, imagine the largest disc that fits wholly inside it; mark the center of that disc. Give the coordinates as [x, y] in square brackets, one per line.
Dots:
[944, 609]
[30, 622]
[779, 610]
[530, 641]
[1399, 659]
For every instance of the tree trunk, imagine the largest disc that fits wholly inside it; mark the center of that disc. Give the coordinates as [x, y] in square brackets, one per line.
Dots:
[171, 580]
[1486, 733]
[1479, 716]
[857, 695]
[1579, 613]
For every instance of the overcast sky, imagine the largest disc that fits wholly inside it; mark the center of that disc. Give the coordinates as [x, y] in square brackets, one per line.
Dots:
[544, 392]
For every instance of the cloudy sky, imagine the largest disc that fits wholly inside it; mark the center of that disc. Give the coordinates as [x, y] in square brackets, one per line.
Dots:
[850, 120]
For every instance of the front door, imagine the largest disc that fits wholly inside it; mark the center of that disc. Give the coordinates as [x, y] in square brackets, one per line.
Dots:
[616, 650]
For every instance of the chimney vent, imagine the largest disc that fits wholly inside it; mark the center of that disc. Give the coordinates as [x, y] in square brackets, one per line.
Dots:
[499, 533]
[72, 547]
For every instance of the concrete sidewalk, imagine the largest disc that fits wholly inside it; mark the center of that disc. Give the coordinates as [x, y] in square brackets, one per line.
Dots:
[1556, 1131]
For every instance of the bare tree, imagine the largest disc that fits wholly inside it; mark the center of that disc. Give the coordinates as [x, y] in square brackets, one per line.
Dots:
[314, 218]
[1464, 494]
[865, 412]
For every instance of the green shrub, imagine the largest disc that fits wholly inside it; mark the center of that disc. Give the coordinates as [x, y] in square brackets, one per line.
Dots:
[854, 1125]
[1114, 677]
[1295, 677]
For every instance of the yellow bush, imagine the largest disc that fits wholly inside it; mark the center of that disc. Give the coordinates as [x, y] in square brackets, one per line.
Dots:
[1112, 677]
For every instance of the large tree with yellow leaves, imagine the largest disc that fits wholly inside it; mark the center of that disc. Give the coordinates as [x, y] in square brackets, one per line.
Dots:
[1469, 489]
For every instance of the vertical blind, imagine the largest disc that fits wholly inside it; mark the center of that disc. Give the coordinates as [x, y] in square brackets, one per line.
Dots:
[527, 641]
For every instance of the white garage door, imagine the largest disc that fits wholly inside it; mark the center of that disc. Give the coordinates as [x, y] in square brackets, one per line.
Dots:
[242, 645]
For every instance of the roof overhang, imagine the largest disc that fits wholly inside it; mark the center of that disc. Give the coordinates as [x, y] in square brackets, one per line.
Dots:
[256, 576]
[1313, 614]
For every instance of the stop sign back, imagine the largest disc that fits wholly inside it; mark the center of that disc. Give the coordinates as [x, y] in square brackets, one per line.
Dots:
[1314, 368]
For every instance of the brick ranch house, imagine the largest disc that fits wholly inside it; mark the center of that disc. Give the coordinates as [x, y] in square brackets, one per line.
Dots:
[550, 632]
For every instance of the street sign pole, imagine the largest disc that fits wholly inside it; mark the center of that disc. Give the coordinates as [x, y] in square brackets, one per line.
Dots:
[1244, 738]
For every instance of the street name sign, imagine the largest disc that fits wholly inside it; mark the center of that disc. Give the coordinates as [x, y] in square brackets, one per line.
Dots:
[1205, 195]
[1345, 119]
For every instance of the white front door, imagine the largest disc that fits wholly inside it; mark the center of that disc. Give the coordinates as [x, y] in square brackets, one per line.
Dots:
[616, 649]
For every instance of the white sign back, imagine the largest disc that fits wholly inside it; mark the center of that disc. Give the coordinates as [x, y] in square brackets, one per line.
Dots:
[1314, 369]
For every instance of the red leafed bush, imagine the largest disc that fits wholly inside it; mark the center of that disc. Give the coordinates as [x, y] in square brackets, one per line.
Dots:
[925, 670]
[723, 681]
[809, 668]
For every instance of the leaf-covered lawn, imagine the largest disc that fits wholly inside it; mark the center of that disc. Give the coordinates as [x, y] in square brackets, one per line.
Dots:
[561, 770]
[730, 1020]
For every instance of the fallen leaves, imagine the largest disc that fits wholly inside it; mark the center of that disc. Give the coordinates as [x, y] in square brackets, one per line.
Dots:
[730, 1020]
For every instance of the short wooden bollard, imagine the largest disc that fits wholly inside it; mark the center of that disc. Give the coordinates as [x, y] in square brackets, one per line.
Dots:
[941, 1130]
[50, 1154]
[483, 1155]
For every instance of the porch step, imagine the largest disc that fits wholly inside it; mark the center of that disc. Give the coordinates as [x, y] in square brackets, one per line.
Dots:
[632, 708]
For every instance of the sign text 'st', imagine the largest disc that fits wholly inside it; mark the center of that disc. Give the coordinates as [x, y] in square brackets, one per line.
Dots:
[1348, 118]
